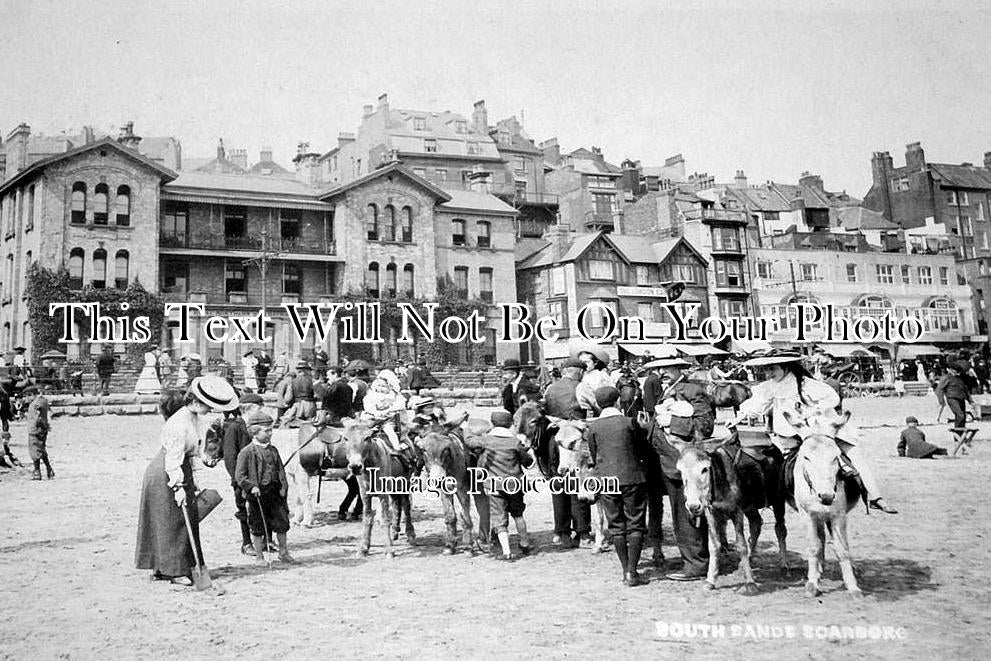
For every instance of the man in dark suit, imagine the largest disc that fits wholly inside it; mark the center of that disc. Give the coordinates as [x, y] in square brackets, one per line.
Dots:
[617, 448]
[105, 365]
[570, 514]
[516, 381]
[652, 389]
[262, 369]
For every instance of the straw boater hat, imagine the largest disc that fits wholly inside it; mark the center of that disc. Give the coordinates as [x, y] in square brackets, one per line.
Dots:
[215, 392]
[775, 357]
[666, 362]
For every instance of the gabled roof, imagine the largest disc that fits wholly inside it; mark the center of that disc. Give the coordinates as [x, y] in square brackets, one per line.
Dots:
[633, 249]
[761, 198]
[396, 168]
[269, 169]
[859, 218]
[105, 143]
[962, 176]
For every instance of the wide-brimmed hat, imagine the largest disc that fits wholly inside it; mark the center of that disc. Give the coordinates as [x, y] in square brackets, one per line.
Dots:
[666, 362]
[357, 367]
[775, 357]
[215, 392]
[419, 401]
[601, 355]
[511, 364]
[20, 348]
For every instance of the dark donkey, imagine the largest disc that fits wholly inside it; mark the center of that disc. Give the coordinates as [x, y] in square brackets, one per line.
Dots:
[733, 483]
[446, 456]
[369, 455]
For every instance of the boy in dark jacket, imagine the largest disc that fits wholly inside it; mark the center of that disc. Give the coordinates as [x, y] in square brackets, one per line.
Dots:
[503, 456]
[236, 438]
[913, 442]
[262, 479]
[617, 448]
[37, 423]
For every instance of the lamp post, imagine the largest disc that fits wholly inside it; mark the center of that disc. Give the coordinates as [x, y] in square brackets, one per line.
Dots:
[266, 255]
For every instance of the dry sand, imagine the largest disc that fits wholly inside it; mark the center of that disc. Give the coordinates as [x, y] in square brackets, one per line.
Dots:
[70, 589]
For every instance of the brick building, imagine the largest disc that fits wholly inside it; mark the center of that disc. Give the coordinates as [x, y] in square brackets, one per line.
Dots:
[627, 274]
[93, 209]
[588, 187]
[956, 196]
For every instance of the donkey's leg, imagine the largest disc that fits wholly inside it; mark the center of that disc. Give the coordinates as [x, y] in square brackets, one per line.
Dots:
[450, 524]
[307, 495]
[755, 521]
[387, 516]
[714, 525]
[781, 532]
[841, 545]
[744, 546]
[395, 516]
[599, 519]
[484, 520]
[464, 518]
[817, 543]
[407, 503]
[367, 515]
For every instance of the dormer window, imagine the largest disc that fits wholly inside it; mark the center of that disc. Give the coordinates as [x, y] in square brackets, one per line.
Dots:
[419, 123]
[461, 126]
[474, 148]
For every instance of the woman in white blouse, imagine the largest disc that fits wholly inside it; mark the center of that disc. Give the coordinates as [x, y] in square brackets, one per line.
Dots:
[596, 376]
[170, 482]
[791, 388]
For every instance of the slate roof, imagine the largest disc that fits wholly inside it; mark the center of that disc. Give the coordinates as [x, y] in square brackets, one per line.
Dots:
[634, 249]
[476, 201]
[274, 170]
[241, 183]
[859, 218]
[962, 176]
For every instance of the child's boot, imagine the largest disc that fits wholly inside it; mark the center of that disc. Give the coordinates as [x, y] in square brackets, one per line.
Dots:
[258, 541]
[284, 549]
[36, 475]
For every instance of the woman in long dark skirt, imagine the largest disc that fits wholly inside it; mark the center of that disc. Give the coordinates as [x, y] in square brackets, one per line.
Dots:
[170, 481]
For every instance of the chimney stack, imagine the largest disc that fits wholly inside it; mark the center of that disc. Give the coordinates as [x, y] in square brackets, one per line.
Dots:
[480, 180]
[809, 180]
[344, 139]
[307, 164]
[239, 157]
[987, 159]
[915, 158]
[89, 137]
[597, 151]
[221, 152]
[480, 118]
[367, 110]
[559, 236]
[383, 104]
[265, 155]
[741, 179]
[126, 136]
[17, 149]
[551, 150]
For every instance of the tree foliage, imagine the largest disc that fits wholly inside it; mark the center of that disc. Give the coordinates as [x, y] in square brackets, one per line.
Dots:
[45, 286]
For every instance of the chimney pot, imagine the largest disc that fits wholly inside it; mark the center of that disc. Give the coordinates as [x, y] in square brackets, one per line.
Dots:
[367, 110]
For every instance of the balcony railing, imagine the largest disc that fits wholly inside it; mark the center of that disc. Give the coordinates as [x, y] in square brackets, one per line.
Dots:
[602, 219]
[721, 215]
[934, 320]
[250, 243]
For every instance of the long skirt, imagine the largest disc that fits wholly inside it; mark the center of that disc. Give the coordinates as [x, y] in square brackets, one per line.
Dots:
[148, 383]
[163, 544]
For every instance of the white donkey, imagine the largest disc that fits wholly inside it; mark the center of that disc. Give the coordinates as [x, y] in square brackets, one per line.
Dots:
[824, 496]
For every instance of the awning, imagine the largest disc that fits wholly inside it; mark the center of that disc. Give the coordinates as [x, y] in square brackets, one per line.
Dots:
[657, 350]
[843, 350]
[699, 350]
[916, 350]
[749, 346]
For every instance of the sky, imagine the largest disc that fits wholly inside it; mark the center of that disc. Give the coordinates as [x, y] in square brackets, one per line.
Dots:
[774, 89]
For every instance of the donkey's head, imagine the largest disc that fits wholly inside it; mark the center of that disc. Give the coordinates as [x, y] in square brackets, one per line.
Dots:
[695, 466]
[569, 445]
[817, 467]
[442, 454]
[358, 444]
[213, 444]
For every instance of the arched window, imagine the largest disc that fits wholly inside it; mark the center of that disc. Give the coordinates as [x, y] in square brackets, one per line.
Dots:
[372, 280]
[408, 280]
[390, 280]
[407, 225]
[945, 314]
[76, 256]
[391, 228]
[78, 203]
[99, 268]
[484, 234]
[123, 206]
[100, 195]
[29, 221]
[121, 264]
[372, 222]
